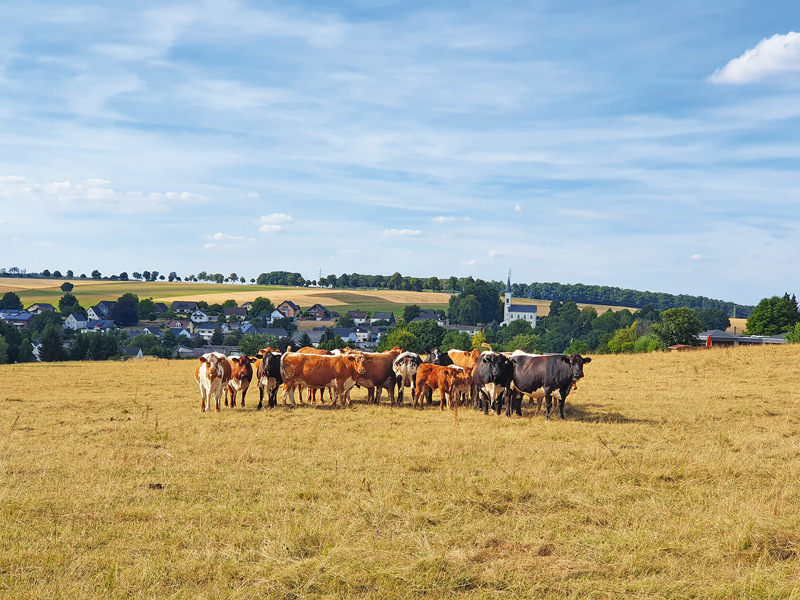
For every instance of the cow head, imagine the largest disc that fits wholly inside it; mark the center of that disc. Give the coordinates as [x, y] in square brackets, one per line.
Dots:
[358, 360]
[576, 362]
[497, 364]
[434, 356]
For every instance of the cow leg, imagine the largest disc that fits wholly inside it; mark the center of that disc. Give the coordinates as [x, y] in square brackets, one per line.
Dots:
[244, 393]
[562, 399]
[548, 404]
[261, 398]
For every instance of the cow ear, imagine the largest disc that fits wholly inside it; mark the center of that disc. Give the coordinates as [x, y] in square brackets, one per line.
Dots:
[203, 359]
[587, 360]
[253, 359]
[565, 359]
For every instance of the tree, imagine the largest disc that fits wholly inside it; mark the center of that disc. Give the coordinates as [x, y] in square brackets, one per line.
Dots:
[146, 275]
[434, 284]
[251, 343]
[42, 320]
[10, 301]
[70, 274]
[713, 318]
[623, 340]
[3, 351]
[144, 308]
[411, 312]
[217, 337]
[67, 286]
[401, 338]
[678, 326]
[96, 274]
[345, 321]
[52, 346]
[123, 276]
[577, 347]
[46, 273]
[172, 276]
[304, 341]
[456, 340]
[429, 334]
[57, 274]
[469, 310]
[478, 340]
[261, 306]
[525, 342]
[125, 312]
[773, 316]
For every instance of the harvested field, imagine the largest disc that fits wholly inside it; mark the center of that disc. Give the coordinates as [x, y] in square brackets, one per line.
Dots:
[674, 476]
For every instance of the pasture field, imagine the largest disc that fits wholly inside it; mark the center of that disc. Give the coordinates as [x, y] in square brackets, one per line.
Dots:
[674, 476]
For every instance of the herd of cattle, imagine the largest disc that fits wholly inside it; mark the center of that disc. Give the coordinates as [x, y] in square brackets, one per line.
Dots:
[484, 378]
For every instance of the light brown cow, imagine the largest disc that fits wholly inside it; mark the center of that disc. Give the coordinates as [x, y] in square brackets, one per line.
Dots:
[210, 375]
[312, 392]
[241, 375]
[464, 359]
[319, 371]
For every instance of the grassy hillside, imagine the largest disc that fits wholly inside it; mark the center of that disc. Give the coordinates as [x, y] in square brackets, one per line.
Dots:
[674, 476]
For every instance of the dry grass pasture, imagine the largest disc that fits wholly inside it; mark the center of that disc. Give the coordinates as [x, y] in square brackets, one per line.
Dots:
[674, 476]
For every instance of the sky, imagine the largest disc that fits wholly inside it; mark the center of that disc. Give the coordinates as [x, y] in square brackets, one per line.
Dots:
[646, 145]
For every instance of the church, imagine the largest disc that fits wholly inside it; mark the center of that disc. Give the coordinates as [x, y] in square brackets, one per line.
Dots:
[513, 312]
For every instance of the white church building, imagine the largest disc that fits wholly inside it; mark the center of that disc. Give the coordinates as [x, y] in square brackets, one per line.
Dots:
[513, 312]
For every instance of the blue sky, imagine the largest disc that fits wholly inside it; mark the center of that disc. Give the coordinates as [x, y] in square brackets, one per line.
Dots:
[648, 145]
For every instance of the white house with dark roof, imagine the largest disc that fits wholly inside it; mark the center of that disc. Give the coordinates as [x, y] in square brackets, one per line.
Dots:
[76, 321]
[514, 312]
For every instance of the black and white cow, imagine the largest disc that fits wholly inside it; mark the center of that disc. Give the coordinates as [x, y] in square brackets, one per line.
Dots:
[551, 373]
[491, 379]
[269, 378]
[405, 371]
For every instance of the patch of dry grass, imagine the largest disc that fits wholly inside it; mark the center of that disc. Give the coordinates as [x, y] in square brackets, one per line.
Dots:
[674, 476]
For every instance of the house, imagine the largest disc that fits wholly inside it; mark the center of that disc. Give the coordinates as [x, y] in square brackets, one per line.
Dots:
[76, 321]
[41, 307]
[179, 331]
[153, 331]
[348, 335]
[315, 336]
[468, 329]
[275, 315]
[160, 308]
[363, 335]
[128, 353]
[99, 325]
[320, 313]
[383, 316]
[184, 307]
[182, 324]
[359, 316]
[515, 312]
[276, 331]
[206, 330]
[201, 316]
[289, 309]
[247, 306]
[429, 315]
[187, 352]
[715, 337]
[239, 312]
[101, 311]
[377, 331]
[21, 319]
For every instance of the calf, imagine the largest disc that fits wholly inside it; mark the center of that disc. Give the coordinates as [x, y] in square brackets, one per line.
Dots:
[447, 379]
[405, 372]
[241, 375]
[551, 373]
[492, 379]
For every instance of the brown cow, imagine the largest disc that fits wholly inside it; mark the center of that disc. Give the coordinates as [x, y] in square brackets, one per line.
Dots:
[312, 392]
[319, 371]
[434, 377]
[379, 374]
[241, 375]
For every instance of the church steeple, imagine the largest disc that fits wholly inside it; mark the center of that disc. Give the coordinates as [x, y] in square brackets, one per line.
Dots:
[507, 305]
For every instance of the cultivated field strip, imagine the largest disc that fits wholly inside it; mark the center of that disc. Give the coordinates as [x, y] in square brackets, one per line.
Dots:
[674, 476]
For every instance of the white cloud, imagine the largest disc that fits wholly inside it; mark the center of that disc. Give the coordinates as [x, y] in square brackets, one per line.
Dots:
[469, 263]
[224, 237]
[697, 256]
[518, 208]
[494, 253]
[274, 222]
[12, 179]
[402, 232]
[253, 195]
[450, 219]
[778, 54]
[98, 182]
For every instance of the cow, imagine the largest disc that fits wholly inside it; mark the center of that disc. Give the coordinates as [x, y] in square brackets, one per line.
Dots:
[555, 372]
[437, 357]
[319, 371]
[312, 392]
[447, 379]
[210, 376]
[462, 384]
[405, 372]
[268, 375]
[491, 379]
[379, 374]
[241, 374]
[463, 358]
